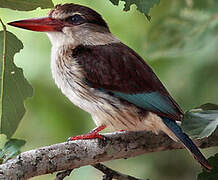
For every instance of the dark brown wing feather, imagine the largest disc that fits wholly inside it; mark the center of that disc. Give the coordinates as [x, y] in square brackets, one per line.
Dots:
[116, 67]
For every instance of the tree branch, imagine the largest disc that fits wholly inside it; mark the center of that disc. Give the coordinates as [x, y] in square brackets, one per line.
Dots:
[61, 175]
[111, 174]
[74, 154]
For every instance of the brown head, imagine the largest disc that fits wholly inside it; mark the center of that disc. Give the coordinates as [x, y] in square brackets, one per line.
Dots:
[74, 14]
[70, 22]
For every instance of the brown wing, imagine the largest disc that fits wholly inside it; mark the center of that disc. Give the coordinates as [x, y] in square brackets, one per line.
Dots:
[118, 69]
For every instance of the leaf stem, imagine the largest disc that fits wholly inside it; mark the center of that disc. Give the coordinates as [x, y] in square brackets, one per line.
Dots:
[3, 68]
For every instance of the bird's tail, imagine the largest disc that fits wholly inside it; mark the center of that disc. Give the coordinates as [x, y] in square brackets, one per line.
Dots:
[187, 142]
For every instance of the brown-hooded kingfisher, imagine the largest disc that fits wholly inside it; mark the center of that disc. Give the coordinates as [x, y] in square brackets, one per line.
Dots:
[106, 78]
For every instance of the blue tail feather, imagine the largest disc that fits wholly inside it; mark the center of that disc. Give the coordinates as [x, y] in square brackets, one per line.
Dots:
[187, 142]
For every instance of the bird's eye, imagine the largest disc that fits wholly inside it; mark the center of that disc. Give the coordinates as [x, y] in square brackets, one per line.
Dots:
[75, 19]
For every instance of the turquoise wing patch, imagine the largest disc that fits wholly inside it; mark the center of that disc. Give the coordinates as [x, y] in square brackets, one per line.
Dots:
[152, 101]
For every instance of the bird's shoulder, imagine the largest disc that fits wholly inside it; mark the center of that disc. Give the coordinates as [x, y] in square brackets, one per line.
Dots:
[115, 66]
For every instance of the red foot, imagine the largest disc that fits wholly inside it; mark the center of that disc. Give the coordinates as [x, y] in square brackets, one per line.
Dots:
[123, 130]
[91, 135]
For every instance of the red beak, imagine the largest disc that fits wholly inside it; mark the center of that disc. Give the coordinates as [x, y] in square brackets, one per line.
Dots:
[44, 24]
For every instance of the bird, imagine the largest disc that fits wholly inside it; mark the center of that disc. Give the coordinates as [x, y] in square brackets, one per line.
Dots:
[106, 78]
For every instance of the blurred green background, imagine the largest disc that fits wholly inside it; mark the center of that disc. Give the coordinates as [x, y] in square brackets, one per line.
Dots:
[180, 43]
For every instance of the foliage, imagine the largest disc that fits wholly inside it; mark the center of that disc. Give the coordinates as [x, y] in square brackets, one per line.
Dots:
[213, 175]
[191, 31]
[14, 87]
[143, 6]
[11, 149]
[24, 5]
[201, 122]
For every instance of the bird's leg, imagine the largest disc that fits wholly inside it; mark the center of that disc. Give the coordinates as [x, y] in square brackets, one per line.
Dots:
[91, 135]
[122, 130]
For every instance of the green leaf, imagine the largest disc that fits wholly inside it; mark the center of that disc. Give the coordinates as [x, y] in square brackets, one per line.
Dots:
[213, 174]
[183, 33]
[143, 6]
[3, 140]
[208, 106]
[14, 88]
[115, 2]
[11, 148]
[201, 122]
[26, 5]
[209, 5]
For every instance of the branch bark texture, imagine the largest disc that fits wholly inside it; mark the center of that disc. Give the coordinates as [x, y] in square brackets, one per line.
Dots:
[74, 154]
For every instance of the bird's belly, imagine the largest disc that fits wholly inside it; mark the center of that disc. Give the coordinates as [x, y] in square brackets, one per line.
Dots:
[111, 112]
[75, 94]
[105, 109]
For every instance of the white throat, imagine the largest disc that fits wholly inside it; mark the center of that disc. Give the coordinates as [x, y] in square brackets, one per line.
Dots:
[59, 39]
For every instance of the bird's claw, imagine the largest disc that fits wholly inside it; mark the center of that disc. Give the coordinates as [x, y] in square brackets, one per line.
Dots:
[86, 136]
[91, 135]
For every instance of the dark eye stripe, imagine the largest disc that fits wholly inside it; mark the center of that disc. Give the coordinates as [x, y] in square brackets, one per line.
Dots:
[75, 19]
